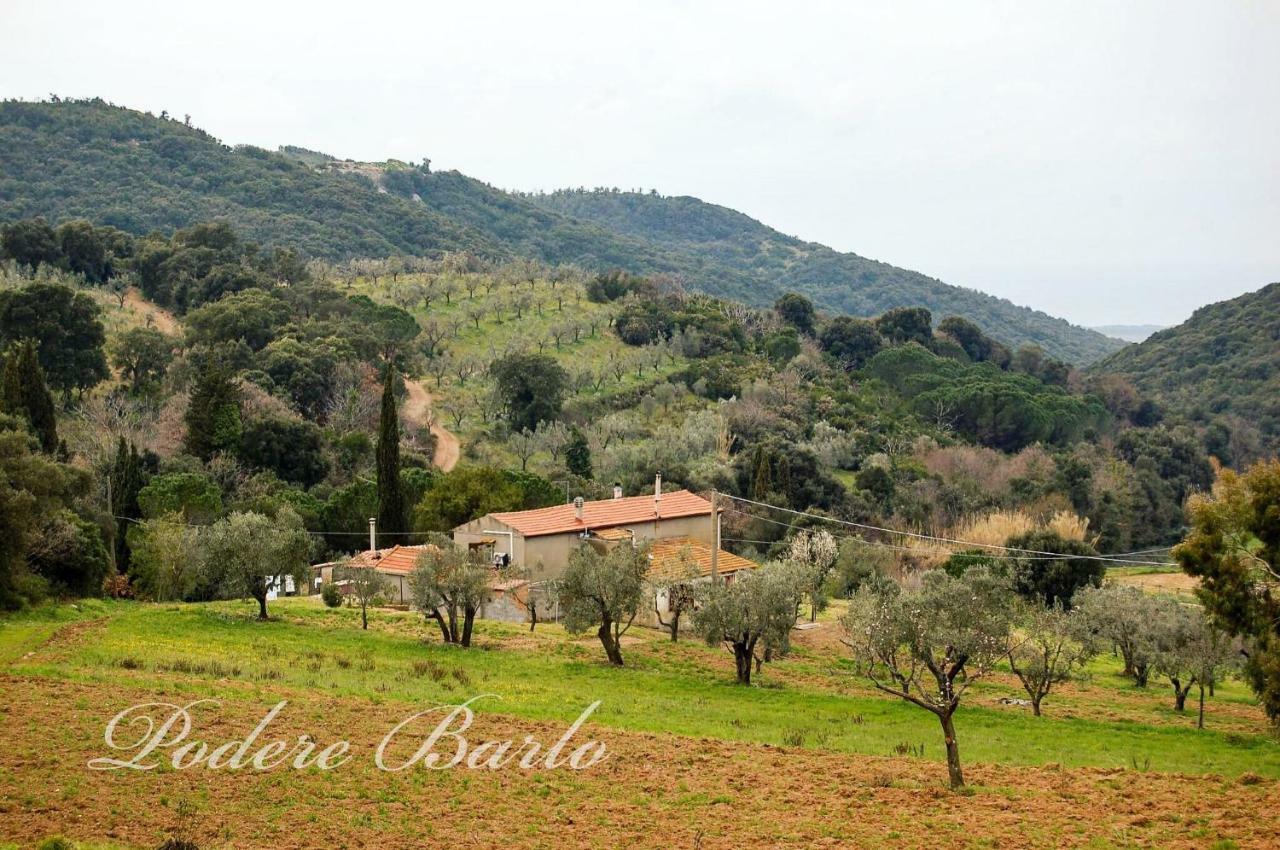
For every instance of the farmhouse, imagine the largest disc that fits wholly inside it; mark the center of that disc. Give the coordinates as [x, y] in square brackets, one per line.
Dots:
[508, 597]
[677, 527]
[395, 564]
[539, 541]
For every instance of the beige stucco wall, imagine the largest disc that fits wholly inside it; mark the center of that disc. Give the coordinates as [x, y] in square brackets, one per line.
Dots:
[546, 557]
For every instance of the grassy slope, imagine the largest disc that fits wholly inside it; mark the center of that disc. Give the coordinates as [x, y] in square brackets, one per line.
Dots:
[685, 689]
[499, 327]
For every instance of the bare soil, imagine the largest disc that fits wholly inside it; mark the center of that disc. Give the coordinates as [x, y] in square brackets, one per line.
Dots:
[651, 791]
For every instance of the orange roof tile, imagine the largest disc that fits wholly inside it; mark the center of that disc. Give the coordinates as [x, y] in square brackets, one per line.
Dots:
[606, 513]
[398, 560]
[612, 534]
[665, 556]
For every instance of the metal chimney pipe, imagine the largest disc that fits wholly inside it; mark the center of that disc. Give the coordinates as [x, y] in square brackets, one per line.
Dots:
[373, 534]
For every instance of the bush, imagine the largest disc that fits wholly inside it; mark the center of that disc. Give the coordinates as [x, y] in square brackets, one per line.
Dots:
[331, 595]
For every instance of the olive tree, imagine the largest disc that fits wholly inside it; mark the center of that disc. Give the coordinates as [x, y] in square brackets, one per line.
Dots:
[367, 586]
[1053, 646]
[603, 591]
[449, 585]
[246, 553]
[752, 615]
[815, 554]
[928, 645]
[1123, 616]
[678, 585]
[1190, 651]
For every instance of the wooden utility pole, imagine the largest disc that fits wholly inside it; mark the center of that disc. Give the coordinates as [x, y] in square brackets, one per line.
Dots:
[715, 537]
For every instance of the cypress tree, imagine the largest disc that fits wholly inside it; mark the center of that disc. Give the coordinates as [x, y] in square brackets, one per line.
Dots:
[391, 507]
[577, 454]
[126, 482]
[213, 414]
[25, 393]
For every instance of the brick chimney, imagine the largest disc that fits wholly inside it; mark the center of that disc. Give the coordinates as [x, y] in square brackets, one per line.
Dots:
[617, 489]
[657, 487]
[577, 508]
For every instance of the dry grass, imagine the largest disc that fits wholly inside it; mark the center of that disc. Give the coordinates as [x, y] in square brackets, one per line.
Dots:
[994, 529]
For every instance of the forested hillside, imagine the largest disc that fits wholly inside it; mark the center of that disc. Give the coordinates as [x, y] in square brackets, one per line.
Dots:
[1220, 368]
[142, 173]
[839, 282]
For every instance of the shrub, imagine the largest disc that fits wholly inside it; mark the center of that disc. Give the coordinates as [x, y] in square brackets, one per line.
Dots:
[331, 595]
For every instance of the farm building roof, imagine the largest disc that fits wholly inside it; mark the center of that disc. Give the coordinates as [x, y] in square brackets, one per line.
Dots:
[606, 513]
[666, 554]
[399, 560]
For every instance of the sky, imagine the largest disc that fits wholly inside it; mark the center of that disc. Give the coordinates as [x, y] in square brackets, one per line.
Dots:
[1105, 162]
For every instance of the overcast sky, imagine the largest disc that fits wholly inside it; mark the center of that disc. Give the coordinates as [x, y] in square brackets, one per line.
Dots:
[1105, 162]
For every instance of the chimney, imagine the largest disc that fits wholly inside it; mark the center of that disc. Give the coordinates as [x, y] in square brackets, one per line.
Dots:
[617, 489]
[373, 535]
[577, 508]
[657, 487]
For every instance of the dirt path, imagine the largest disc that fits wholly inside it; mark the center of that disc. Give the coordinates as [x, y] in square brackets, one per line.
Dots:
[417, 409]
[162, 319]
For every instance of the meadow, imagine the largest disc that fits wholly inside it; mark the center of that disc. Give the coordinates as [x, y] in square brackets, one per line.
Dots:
[683, 738]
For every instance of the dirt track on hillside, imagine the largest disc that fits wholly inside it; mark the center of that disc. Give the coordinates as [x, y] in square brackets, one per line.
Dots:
[651, 791]
[161, 319]
[417, 409]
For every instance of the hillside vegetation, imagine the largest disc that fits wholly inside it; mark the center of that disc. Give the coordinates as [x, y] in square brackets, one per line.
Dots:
[142, 173]
[1219, 369]
[839, 282]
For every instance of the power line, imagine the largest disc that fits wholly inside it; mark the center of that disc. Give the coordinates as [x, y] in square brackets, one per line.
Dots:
[945, 540]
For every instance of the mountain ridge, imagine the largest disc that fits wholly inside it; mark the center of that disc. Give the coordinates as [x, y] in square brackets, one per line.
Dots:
[90, 159]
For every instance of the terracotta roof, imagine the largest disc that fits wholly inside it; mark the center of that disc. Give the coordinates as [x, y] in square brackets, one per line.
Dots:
[606, 513]
[612, 534]
[665, 556]
[398, 560]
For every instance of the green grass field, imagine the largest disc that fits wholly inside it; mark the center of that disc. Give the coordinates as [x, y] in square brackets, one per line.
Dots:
[814, 698]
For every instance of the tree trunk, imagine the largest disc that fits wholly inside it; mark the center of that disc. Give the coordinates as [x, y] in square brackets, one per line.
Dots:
[1200, 718]
[453, 624]
[1128, 662]
[611, 649]
[954, 772]
[1141, 673]
[675, 627]
[364, 615]
[261, 596]
[742, 659]
[1180, 694]
[468, 620]
[1035, 704]
[444, 629]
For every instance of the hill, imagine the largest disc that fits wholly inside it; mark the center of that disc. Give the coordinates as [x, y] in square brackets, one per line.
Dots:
[1221, 367]
[839, 282]
[141, 173]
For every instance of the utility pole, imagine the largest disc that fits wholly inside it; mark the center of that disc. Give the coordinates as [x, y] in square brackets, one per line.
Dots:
[715, 537]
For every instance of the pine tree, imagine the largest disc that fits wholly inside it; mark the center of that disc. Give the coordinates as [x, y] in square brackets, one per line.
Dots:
[391, 507]
[577, 454]
[25, 394]
[213, 414]
[126, 481]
